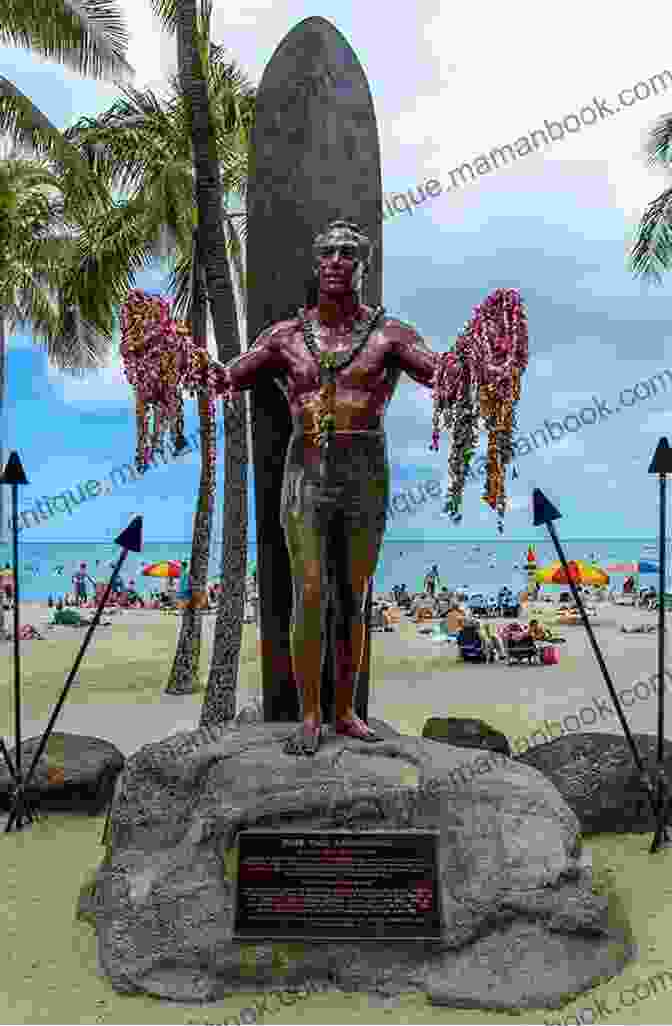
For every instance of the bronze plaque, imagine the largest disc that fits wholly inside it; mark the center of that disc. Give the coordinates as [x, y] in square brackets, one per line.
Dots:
[337, 885]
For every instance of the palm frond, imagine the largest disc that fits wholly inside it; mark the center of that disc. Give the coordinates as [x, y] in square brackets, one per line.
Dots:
[28, 127]
[89, 36]
[130, 142]
[33, 134]
[181, 283]
[166, 11]
[659, 145]
[108, 254]
[652, 253]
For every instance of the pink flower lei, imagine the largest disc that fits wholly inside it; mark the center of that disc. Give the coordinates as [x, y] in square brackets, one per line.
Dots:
[490, 355]
[161, 361]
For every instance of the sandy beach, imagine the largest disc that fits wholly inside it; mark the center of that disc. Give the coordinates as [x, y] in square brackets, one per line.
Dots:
[50, 960]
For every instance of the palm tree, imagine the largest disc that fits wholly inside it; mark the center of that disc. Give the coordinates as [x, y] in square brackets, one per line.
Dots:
[652, 252]
[182, 17]
[88, 36]
[40, 222]
[142, 147]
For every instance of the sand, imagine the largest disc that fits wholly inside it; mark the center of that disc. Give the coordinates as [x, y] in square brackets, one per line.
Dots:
[49, 960]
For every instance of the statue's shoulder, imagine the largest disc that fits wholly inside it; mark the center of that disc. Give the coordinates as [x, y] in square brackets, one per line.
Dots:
[278, 332]
[399, 330]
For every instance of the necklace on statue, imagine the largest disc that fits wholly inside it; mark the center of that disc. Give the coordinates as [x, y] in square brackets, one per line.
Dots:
[330, 363]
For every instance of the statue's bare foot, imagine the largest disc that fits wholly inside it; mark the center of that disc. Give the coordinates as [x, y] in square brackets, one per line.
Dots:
[354, 727]
[305, 741]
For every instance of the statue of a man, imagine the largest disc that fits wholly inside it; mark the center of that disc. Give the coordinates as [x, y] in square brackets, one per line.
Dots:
[338, 364]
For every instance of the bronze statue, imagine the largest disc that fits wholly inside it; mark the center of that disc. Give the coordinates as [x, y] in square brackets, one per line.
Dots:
[338, 363]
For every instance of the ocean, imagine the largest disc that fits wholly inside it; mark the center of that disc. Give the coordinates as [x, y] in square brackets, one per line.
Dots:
[46, 568]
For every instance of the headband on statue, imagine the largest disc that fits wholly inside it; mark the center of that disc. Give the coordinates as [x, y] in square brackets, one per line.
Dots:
[344, 233]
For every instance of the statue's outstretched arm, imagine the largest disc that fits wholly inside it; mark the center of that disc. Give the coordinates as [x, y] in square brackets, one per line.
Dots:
[416, 358]
[263, 357]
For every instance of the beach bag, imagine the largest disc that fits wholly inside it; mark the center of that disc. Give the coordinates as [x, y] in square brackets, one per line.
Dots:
[550, 655]
[67, 618]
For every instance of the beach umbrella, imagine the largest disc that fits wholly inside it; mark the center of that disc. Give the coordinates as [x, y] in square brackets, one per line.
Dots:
[166, 568]
[622, 568]
[581, 573]
[7, 572]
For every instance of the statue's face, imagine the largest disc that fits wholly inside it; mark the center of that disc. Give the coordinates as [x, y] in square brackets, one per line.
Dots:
[337, 266]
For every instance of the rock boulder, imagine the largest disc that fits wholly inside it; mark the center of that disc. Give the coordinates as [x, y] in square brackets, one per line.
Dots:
[162, 901]
[76, 773]
[466, 733]
[597, 777]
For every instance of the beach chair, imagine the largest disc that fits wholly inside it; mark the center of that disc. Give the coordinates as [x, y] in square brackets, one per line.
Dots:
[477, 605]
[520, 647]
[377, 621]
[471, 645]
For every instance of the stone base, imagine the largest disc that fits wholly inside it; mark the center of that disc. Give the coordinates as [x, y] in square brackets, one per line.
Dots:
[514, 889]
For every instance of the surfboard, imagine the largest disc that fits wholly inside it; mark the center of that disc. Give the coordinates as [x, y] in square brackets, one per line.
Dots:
[314, 157]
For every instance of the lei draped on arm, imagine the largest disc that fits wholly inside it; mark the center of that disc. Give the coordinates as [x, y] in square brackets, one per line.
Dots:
[490, 356]
[161, 361]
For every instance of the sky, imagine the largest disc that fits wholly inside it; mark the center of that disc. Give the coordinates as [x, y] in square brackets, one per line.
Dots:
[557, 224]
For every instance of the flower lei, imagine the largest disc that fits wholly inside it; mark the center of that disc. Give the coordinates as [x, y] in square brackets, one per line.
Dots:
[330, 364]
[491, 355]
[161, 361]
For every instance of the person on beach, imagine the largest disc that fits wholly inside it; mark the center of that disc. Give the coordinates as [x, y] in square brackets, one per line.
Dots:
[79, 580]
[432, 581]
[537, 632]
[117, 582]
[8, 587]
[133, 598]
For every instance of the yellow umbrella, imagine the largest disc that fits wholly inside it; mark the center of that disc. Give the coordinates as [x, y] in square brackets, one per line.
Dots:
[580, 572]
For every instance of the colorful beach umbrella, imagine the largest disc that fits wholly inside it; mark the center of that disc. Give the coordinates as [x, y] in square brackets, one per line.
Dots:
[166, 568]
[581, 573]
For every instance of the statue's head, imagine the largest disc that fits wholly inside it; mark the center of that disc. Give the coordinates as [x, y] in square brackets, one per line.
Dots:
[342, 255]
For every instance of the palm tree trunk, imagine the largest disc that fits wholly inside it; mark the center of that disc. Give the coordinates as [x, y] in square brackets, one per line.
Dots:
[3, 534]
[184, 677]
[3, 371]
[220, 698]
[219, 704]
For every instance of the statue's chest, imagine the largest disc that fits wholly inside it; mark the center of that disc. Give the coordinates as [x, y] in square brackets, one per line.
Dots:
[367, 370]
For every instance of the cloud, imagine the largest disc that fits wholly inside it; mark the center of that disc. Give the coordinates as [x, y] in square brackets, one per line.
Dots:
[658, 423]
[542, 367]
[107, 385]
[518, 503]
[562, 400]
[534, 89]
